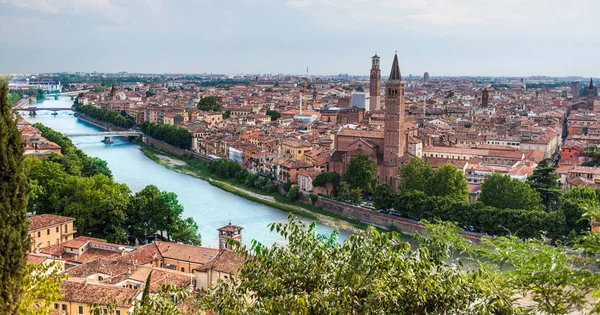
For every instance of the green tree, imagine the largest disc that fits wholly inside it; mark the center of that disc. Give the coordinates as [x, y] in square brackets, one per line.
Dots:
[139, 217]
[360, 89]
[502, 192]
[293, 193]
[187, 232]
[369, 273]
[14, 238]
[41, 288]
[210, 103]
[448, 180]
[356, 195]
[343, 191]
[383, 198]
[146, 294]
[545, 181]
[361, 173]
[546, 274]
[226, 114]
[415, 175]
[150, 93]
[274, 114]
[327, 180]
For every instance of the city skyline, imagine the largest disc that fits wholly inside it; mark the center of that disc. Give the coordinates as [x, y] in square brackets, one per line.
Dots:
[462, 38]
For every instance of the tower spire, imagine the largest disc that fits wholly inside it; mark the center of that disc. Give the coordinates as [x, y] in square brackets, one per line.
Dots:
[395, 73]
[591, 86]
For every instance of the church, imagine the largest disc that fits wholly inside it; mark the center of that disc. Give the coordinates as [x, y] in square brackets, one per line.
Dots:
[391, 147]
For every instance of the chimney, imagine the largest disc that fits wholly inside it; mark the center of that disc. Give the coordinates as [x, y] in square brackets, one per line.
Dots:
[168, 248]
[129, 271]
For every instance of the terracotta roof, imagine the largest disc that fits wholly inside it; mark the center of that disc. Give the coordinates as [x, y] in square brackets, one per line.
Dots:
[87, 293]
[227, 261]
[33, 259]
[47, 220]
[230, 228]
[183, 252]
[378, 133]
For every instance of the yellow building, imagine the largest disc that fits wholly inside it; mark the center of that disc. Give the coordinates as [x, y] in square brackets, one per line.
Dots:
[293, 148]
[49, 229]
[78, 298]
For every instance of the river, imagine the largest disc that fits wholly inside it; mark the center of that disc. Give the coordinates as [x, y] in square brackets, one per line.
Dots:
[210, 206]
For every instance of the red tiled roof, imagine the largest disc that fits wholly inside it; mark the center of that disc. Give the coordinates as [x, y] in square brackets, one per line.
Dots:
[47, 220]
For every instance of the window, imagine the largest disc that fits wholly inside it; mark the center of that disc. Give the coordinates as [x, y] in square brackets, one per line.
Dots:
[56, 305]
[118, 312]
[48, 232]
[39, 234]
[182, 269]
[57, 229]
[66, 228]
[64, 307]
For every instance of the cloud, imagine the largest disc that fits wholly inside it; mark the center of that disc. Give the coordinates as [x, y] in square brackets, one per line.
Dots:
[299, 4]
[58, 6]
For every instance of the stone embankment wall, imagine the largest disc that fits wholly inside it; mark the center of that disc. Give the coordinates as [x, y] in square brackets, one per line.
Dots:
[100, 123]
[406, 226]
[172, 149]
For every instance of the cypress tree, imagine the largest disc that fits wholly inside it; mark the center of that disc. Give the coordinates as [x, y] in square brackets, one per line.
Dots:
[146, 293]
[14, 239]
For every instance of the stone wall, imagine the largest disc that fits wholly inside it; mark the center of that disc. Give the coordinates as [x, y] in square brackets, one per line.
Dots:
[172, 149]
[99, 123]
[406, 226]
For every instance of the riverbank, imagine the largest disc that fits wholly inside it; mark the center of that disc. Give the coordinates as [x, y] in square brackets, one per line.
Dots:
[179, 165]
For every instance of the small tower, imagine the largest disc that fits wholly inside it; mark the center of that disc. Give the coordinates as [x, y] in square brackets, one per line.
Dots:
[590, 94]
[485, 96]
[375, 83]
[229, 232]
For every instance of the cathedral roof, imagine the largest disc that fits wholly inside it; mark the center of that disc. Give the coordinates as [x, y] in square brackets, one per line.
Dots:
[395, 73]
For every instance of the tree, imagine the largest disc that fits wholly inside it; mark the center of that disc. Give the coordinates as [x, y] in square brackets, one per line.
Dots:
[41, 288]
[448, 180]
[293, 194]
[146, 294]
[547, 274]
[545, 181]
[226, 114]
[274, 114]
[383, 198]
[415, 175]
[361, 173]
[327, 180]
[139, 217]
[210, 103]
[502, 192]
[369, 273]
[343, 191]
[360, 89]
[150, 93]
[356, 195]
[187, 232]
[14, 238]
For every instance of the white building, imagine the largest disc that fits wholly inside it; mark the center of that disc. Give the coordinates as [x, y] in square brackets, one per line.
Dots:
[361, 100]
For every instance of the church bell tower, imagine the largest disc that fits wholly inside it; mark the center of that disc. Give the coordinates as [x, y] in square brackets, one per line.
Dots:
[394, 142]
[375, 84]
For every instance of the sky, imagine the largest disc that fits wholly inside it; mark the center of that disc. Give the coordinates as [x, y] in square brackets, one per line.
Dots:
[442, 37]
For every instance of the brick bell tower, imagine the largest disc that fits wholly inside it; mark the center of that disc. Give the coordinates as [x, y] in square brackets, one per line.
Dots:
[590, 94]
[375, 84]
[394, 141]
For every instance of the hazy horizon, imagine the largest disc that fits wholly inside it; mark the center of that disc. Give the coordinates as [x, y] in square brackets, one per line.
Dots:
[476, 38]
